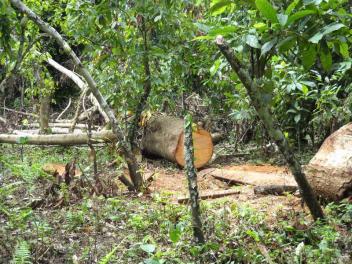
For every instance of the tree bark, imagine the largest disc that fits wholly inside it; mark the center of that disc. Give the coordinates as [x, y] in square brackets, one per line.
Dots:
[58, 139]
[253, 89]
[44, 109]
[147, 85]
[125, 146]
[192, 182]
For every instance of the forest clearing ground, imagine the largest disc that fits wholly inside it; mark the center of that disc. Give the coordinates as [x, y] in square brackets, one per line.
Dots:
[150, 226]
[175, 183]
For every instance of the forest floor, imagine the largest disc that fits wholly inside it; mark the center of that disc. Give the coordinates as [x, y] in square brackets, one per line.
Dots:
[41, 224]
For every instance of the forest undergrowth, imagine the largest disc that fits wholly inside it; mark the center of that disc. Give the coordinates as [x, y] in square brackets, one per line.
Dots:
[146, 228]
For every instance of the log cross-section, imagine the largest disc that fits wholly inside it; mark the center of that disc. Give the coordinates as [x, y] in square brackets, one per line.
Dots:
[164, 137]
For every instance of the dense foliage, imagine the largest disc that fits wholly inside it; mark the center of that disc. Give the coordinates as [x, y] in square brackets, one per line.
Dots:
[302, 51]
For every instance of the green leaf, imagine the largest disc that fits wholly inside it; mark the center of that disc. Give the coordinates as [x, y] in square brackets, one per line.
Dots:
[213, 69]
[299, 15]
[308, 56]
[267, 10]
[219, 6]
[344, 50]
[268, 46]
[291, 7]
[304, 89]
[106, 259]
[325, 57]
[175, 234]
[310, 2]
[253, 234]
[282, 19]
[297, 118]
[252, 41]
[287, 43]
[225, 30]
[149, 248]
[326, 30]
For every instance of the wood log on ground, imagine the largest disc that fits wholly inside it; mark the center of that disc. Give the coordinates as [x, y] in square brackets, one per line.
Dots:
[275, 189]
[209, 195]
[330, 170]
[58, 139]
[164, 137]
[254, 175]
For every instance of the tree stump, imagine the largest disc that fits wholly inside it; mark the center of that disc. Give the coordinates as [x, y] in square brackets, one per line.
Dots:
[164, 137]
[330, 170]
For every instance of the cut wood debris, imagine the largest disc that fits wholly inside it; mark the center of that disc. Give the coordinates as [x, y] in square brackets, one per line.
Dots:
[209, 195]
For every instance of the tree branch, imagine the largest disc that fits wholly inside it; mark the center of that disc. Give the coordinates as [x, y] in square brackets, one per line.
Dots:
[253, 87]
[125, 146]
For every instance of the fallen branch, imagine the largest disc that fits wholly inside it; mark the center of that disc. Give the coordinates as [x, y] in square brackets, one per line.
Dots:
[20, 112]
[229, 181]
[210, 195]
[275, 189]
[58, 139]
[82, 85]
[65, 110]
[63, 125]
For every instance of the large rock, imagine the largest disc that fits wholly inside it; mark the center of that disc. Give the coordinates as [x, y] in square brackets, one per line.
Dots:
[330, 170]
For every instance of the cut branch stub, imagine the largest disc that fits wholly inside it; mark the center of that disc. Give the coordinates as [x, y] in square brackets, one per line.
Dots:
[164, 137]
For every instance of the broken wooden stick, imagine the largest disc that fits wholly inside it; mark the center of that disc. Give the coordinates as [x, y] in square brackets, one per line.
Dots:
[209, 195]
[275, 189]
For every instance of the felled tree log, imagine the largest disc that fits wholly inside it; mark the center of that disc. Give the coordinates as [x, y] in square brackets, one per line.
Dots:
[330, 170]
[58, 139]
[275, 189]
[164, 137]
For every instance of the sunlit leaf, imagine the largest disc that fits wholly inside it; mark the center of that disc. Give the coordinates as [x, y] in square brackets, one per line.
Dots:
[267, 10]
[252, 41]
[219, 6]
[268, 46]
[149, 248]
[299, 15]
[326, 30]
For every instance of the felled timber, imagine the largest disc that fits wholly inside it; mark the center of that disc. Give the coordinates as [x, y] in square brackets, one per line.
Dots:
[58, 139]
[330, 170]
[275, 189]
[164, 137]
[209, 195]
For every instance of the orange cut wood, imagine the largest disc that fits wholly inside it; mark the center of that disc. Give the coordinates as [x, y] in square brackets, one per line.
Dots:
[202, 145]
[163, 137]
[51, 168]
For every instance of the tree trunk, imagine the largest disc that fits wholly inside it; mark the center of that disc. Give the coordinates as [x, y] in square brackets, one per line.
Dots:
[58, 139]
[147, 85]
[44, 114]
[253, 87]
[44, 108]
[192, 181]
[125, 146]
[164, 137]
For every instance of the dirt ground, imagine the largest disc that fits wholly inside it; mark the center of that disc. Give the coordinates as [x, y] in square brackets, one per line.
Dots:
[174, 182]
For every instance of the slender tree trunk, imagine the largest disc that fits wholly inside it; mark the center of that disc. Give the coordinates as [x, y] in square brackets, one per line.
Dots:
[192, 181]
[147, 84]
[253, 86]
[44, 100]
[125, 146]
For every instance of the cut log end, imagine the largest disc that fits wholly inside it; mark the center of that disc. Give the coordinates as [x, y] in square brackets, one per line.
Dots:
[164, 138]
[202, 145]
